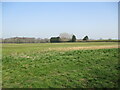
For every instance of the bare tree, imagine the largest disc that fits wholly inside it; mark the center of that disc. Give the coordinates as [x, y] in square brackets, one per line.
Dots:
[65, 36]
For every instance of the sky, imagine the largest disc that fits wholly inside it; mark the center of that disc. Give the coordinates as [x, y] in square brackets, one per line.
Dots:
[0, 19]
[46, 19]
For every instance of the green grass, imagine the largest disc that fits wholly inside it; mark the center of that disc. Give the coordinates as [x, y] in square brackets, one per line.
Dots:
[38, 47]
[34, 66]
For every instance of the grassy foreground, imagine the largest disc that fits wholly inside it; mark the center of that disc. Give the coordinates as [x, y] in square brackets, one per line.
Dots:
[35, 66]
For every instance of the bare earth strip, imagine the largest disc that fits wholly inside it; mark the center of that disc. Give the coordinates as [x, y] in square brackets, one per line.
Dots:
[85, 48]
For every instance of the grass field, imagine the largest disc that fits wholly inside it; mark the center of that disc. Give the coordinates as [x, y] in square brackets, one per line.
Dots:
[60, 65]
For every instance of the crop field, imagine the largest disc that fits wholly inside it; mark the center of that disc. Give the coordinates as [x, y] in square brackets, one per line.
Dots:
[60, 65]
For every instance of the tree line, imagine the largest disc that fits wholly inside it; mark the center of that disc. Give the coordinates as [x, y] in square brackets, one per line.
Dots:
[25, 40]
[58, 39]
[63, 37]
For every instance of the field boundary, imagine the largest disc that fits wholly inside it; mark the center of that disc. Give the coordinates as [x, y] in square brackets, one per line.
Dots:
[85, 48]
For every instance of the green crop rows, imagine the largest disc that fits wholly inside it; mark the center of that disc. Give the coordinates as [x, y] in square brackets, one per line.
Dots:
[35, 66]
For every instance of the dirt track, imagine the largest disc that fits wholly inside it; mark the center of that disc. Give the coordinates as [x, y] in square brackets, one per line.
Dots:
[85, 48]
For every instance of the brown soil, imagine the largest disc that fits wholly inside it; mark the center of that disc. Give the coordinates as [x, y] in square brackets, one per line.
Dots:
[85, 48]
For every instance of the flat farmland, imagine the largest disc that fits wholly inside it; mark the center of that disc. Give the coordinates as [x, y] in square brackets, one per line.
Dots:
[60, 65]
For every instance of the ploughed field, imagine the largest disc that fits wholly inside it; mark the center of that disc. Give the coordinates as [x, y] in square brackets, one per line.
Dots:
[60, 65]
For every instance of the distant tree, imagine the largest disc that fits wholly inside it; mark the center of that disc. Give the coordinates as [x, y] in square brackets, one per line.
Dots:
[100, 39]
[46, 40]
[85, 38]
[109, 39]
[73, 38]
[54, 39]
[65, 36]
